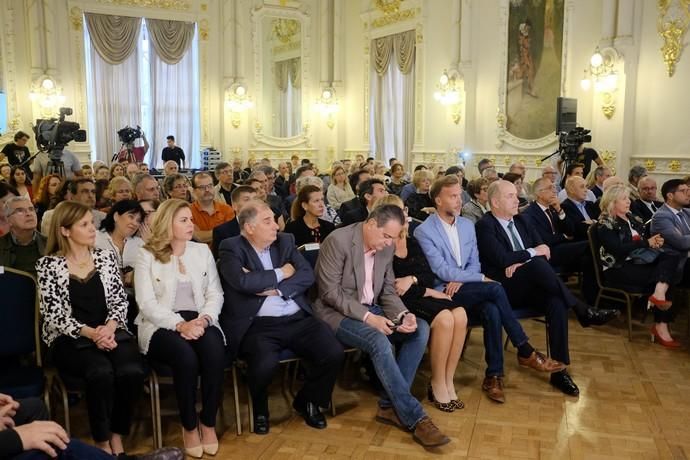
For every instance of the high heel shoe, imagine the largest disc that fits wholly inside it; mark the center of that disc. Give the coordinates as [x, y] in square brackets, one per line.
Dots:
[660, 304]
[444, 407]
[664, 343]
[194, 452]
[458, 404]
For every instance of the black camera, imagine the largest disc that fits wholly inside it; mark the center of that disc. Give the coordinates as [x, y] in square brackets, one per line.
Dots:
[52, 135]
[569, 142]
[128, 134]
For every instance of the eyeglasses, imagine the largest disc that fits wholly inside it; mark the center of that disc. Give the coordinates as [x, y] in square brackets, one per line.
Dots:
[24, 211]
[205, 187]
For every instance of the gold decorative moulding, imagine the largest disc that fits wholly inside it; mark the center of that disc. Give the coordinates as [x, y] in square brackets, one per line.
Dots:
[672, 24]
[650, 165]
[161, 4]
[388, 6]
[674, 165]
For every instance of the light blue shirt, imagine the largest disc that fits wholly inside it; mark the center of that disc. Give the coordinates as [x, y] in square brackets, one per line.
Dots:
[275, 305]
[581, 207]
[504, 224]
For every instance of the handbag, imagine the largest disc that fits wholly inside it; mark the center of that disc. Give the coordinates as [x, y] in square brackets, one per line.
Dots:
[643, 256]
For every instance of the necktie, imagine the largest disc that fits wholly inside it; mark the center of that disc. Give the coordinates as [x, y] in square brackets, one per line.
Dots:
[550, 217]
[513, 236]
[654, 208]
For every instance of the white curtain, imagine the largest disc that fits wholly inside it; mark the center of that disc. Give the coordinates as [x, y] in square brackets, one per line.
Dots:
[175, 103]
[391, 123]
[114, 96]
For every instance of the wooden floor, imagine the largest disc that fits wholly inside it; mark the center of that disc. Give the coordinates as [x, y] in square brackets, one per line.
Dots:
[634, 403]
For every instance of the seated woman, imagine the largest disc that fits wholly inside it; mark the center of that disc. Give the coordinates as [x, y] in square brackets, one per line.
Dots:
[150, 207]
[397, 182]
[479, 204]
[177, 186]
[516, 179]
[414, 283]
[116, 170]
[84, 310]
[19, 181]
[180, 297]
[419, 204]
[339, 191]
[621, 234]
[117, 234]
[306, 223]
[47, 195]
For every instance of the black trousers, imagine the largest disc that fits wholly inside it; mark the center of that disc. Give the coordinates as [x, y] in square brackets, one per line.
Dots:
[575, 256]
[308, 338]
[189, 359]
[114, 381]
[663, 270]
[535, 284]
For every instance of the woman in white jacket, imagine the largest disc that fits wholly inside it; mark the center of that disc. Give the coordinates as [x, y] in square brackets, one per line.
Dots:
[180, 297]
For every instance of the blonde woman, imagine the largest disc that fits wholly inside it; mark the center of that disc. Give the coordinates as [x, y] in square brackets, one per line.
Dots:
[84, 310]
[414, 283]
[419, 204]
[180, 297]
[621, 234]
[340, 190]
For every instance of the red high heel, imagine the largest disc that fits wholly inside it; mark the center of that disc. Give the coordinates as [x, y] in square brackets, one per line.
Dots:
[664, 343]
[660, 304]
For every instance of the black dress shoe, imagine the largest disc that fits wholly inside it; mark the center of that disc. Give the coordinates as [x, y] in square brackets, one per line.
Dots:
[261, 425]
[564, 382]
[311, 414]
[590, 316]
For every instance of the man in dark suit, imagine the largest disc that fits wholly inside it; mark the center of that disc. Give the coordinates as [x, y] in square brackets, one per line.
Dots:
[600, 175]
[672, 221]
[580, 211]
[647, 205]
[240, 195]
[265, 281]
[511, 252]
[369, 191]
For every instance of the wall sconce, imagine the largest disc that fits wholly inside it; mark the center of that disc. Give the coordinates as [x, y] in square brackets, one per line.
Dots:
[237, 101]
[46, 92]
[448, 93]
[603, 76]
[327, 105]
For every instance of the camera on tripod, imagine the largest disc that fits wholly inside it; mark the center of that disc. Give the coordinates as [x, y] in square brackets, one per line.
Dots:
[53, 134]
[128, 134]
[570, 142]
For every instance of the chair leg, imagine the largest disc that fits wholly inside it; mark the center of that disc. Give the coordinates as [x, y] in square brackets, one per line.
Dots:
[154, 415]
[628, 305]
[596, 302]
[548, 342]
[464, 345]
[157, 405]
[250, 406]
[236, 395]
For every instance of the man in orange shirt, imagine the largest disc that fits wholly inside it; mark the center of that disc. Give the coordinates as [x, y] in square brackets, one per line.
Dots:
[206, 212]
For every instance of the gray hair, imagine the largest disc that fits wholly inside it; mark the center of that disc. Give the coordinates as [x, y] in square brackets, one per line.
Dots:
[636, 172]
[266, 169]
[384, 214]
[487, 171]
[139, 178]
[308, 180]
[7, 207]
[249, 212]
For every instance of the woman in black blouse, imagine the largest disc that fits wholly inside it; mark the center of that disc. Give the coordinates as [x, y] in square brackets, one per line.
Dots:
[621, 234]
[306, 224]
[414, 283]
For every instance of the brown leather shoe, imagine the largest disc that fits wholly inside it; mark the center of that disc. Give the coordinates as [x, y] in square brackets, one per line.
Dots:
[428, 435]
[387, 416]
[541, 363]
[494, 388]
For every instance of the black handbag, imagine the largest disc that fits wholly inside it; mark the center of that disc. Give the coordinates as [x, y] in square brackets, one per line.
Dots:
[120, 336]
[643, 256]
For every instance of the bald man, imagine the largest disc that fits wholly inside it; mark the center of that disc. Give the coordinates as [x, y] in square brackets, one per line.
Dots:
[577, 208]
[646, 206]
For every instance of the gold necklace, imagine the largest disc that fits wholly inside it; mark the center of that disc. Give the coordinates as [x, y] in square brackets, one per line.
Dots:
[80, 264]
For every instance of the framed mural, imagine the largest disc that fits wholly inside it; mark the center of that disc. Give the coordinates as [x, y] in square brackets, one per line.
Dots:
[533, 71]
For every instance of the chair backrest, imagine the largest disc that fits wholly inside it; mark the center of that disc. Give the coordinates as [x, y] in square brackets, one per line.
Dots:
[310, 252]
[19, 314]
[595, 248]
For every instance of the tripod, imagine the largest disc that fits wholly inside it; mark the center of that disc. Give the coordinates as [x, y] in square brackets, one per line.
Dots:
[57, 167]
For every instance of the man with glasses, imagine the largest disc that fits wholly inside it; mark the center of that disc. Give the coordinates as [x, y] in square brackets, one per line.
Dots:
[23, 245]
[207, 213]
[223, 190]
[647, 205]
[83, 191]
[551, 173]
[672, 221]
[145, 187]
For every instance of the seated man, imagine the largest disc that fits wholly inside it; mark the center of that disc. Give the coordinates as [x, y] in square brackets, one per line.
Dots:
[207, 213]
[450, 246]
[82, 190]
[575, 170]
[581, 212]
[600, 175]
[512, 253]
[240, 195]
[356, 179]
[146, 187]
[357, 299]
[672, 222]
[647, 204]
[369, 191]
[265, 280]
[23, 245]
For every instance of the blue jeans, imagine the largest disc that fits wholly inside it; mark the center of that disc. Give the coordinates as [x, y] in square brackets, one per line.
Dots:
[76, 450]
[396, 375]
[490, 301]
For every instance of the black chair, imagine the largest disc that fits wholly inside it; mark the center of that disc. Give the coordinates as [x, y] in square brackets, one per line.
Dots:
[616, 293]
[310, 252]
[21, 338]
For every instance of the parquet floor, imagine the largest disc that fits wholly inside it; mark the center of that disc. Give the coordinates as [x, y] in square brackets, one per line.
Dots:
[634, 404]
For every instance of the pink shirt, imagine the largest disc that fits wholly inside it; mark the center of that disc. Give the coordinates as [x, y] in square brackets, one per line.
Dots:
[368, 288]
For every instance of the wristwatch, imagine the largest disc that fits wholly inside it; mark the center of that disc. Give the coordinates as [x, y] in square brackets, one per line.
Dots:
[414, 280]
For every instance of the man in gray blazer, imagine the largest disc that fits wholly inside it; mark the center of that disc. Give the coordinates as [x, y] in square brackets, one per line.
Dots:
[672, 221]
[357, 299]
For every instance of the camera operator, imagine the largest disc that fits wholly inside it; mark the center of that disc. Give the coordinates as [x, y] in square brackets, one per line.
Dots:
[173, 152]
[585, 156]
[17, 152]
[138, 150]
[42, 163]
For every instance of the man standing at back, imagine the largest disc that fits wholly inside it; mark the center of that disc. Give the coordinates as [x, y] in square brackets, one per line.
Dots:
[173, 153]
[357, 298]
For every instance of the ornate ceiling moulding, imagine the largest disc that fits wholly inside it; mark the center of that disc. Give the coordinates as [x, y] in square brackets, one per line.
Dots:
[674, 18]
[392, 13]
[388, 6]
[76, 17]
[183, 5]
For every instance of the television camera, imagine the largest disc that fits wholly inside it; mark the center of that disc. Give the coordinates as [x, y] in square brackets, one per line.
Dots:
[53, 134]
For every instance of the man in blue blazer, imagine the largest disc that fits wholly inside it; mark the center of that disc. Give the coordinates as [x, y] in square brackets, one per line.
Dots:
[450, 246]
[512, 253]
[672, 221]
[239, 196]
[265, 280]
